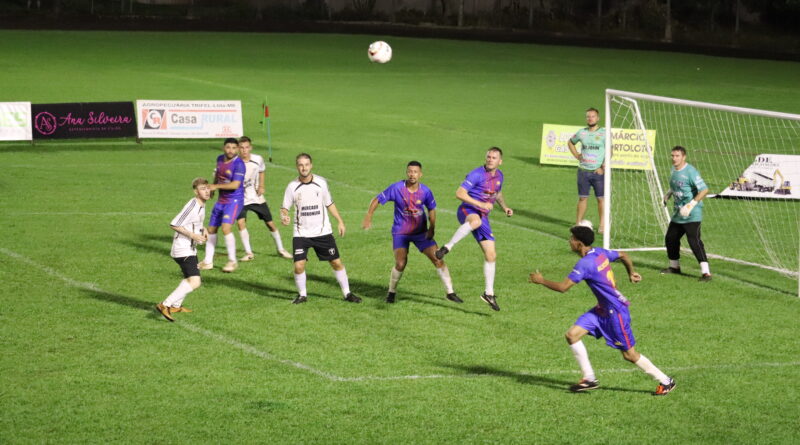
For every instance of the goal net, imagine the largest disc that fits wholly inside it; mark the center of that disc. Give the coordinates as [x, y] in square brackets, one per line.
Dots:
[750, 160]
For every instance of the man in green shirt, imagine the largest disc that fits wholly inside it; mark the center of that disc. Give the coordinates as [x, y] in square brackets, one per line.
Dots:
[687, 189]
[590, 163]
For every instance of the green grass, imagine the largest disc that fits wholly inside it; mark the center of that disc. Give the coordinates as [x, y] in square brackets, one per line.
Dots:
[85, 256]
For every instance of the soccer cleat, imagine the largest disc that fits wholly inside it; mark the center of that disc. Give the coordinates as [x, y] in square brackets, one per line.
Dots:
[352, 298]
[706, 277]
[300, 299]
[584, 385]
[442, 252]
[285, 254]
[454, 298]
[247, 257]
[205, 266]
[390, 297]
[175, 310]
[164, 311]
[663, 390]
[671, 270]
[490, 300]
[230, 266]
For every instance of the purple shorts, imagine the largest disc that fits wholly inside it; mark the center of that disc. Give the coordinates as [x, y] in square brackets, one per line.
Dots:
[419, 240]
[484, 232]
[615, 326]
[225, 213]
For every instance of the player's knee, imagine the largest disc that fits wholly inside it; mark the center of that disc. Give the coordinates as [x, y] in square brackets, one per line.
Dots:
[437, 263]
[571, 337]
[490, 257]
[337, 264]
[631, 355]
[194, 281]
[299, 268]
[400, 265]
[242, 224]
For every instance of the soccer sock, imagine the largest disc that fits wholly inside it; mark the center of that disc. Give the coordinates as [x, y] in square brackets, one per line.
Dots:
[488, 274]
[230, 244]
[444, 274]
[651, 370]
[245, 236]
[462, 231]
[675, 264]
[341, 277]
[300, 281]
[277, 237]
[211, 243]
[704, 268]
[175, 299]
[394, 278]
[582, 357]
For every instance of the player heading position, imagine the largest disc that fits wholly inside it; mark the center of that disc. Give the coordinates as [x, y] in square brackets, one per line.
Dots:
[590, 163]
[312, 200]
[687, 190]
[610, 319]
[478, 193]
[189, 232]
[411, 198]
[228, 179]
[254, 200]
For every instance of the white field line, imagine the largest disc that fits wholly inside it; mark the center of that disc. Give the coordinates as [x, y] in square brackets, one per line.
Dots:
[249, 349]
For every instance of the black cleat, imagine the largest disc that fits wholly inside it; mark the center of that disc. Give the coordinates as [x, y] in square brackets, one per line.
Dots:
[671, 270]
[490, 300]
[705, 278]
[441, 252]
[390, 297]
[454, 298]
[300, 299]
[584, 385]
[352, 298]
[663, 390]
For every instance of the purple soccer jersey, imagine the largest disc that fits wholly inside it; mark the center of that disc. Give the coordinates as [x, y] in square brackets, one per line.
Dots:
[409, 215]
[595, 269]
[227, 172]
[483, 186]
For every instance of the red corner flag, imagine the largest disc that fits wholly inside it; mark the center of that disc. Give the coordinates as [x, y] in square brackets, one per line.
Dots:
[266, 111]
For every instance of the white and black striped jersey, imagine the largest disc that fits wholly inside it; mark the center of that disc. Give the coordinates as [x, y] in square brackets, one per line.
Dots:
[190, 218]
[310, 201]
[254, 166]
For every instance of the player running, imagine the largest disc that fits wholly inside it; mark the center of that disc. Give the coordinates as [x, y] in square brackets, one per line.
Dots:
[411, 198]
[479, 191]
[610, 319]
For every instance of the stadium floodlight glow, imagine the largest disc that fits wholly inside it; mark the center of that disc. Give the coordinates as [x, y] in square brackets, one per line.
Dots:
[749, 158]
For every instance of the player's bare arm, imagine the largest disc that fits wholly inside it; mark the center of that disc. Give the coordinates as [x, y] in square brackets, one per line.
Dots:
[574, 150]
[367, 223]
[463, 195]
[199, 238]
[632, 274]
[501, 201]
[431, 224]
[285, 220]
[537, 278]
[335, 212]
[260, 190]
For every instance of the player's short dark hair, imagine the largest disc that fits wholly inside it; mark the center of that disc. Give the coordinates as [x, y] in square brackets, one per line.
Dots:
[593, 109]
[230, 141]
[414, 164]
[245, 139]
[303, 155]
[583, 234]
[680, 149]
[497, 149]
[197, 182]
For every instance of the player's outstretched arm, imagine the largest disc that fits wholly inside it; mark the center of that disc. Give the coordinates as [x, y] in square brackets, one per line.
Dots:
[632, 274]
[335, 212]
[463, 195]
[501, 200]
[367, 223]
[537, 278]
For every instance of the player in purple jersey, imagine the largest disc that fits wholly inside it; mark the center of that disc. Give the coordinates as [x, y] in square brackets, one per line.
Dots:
[610, 319]
[411, 198]
[478, 193]
[228, 179]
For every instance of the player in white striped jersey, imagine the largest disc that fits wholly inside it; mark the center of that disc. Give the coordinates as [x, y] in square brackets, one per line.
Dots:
[312, 201]
[189, 232]
[254, 200]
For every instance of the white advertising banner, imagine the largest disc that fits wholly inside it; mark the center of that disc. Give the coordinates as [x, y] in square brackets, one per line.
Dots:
[769, 176]
[189, 119]
[15, 121]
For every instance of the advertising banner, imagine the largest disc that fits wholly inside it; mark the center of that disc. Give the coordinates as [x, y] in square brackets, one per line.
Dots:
[83, 120]
[628, 148]
[189, 119]
[769, 176]
[15, 121]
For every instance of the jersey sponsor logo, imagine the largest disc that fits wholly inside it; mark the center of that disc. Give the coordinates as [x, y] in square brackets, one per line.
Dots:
[498, 182]
[603, 265]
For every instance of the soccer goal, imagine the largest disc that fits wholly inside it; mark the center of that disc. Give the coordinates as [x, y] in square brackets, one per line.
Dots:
[750, 160]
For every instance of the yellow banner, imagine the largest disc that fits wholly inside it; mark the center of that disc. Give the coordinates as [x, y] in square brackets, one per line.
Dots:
[628, 149]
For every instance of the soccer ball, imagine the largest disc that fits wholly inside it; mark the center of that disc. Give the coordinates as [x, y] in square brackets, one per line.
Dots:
[379, 52]
[586, 223]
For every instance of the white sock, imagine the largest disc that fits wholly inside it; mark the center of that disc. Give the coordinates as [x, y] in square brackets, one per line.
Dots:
[175, 299]
[230, 244]
[444, 274]
[651, 370]
[582, 357]
[277, 237]
[488, 274]
[211, 243]
[341, 277]
[704, 268]
[300, 281]
[245, 236]
[462, 231]
[394, 278]
[675, 264]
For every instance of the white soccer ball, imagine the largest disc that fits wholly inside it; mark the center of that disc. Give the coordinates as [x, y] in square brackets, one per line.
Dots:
[379, 52]
[586, 223]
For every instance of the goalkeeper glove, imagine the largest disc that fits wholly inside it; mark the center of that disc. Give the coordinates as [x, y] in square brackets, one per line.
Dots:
[687, 209]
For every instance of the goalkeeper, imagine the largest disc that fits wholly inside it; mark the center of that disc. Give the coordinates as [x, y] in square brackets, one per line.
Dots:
[687, 190]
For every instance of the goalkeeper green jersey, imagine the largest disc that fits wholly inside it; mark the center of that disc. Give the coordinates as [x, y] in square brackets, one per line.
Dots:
[593, 147]
[685, 184]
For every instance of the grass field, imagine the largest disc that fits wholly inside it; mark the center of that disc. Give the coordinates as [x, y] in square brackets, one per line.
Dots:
[85, 256]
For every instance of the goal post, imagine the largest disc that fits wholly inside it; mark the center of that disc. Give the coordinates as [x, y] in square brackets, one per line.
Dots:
[749, 158]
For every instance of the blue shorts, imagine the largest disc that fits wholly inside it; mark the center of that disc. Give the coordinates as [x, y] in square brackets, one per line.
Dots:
[587, 180]
[419, 240]
[484, 232]
[224, 213]
[615, 327]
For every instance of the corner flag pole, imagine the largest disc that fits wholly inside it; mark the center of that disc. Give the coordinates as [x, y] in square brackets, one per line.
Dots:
[265, 124]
